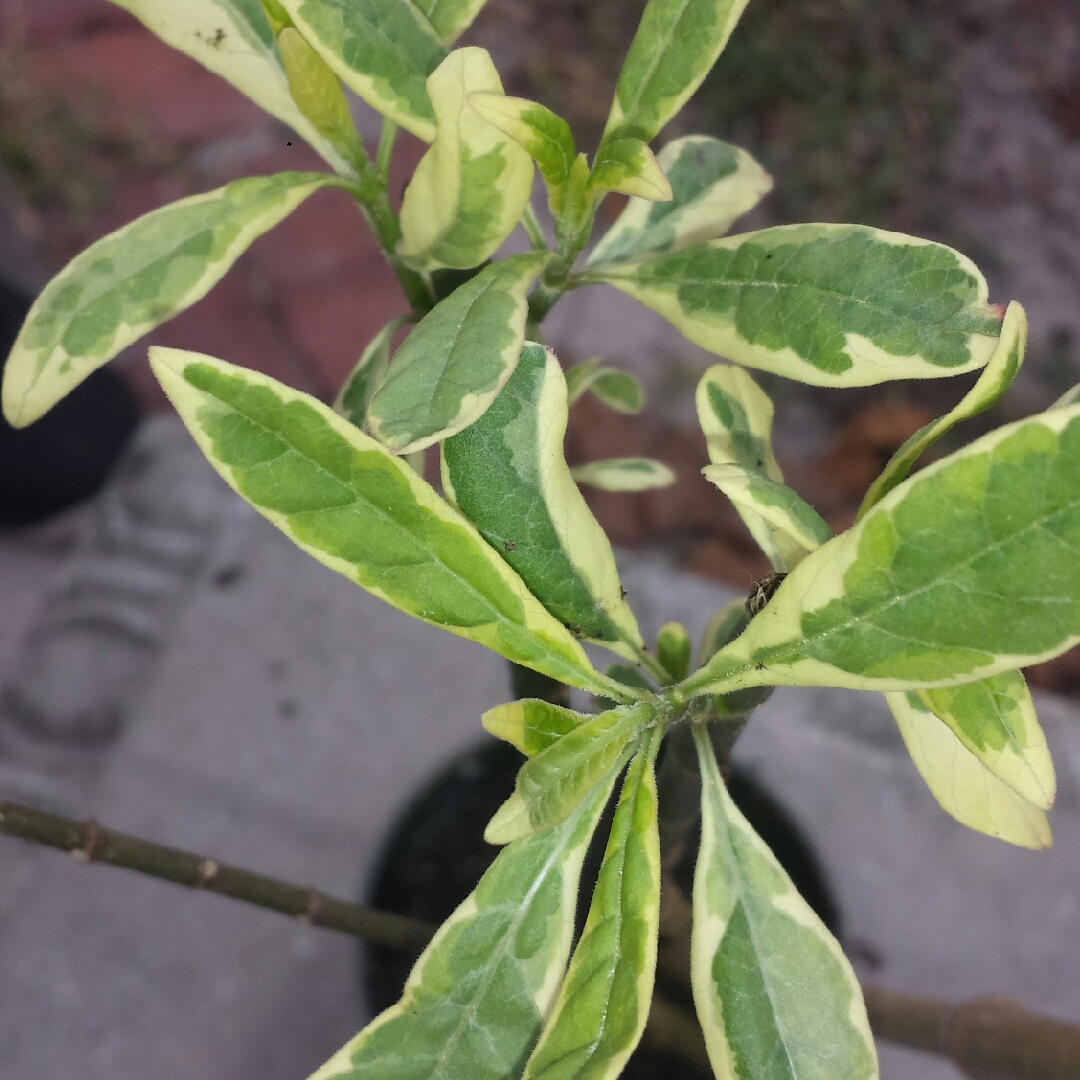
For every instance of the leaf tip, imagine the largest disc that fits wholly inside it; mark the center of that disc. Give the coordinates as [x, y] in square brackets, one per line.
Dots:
[511, 822]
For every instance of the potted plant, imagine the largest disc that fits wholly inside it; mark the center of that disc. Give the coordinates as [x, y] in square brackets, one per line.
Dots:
[949, 581]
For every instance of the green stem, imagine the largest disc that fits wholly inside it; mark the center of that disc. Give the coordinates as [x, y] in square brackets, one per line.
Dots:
[387, 138]
[531, 224]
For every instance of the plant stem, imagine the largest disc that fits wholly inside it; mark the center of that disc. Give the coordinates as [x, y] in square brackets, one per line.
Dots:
[89, 842]
[387, 138]
[533, 230]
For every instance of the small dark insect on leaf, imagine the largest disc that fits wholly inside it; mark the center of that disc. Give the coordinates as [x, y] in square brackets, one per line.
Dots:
[509, 545]
[761, 592]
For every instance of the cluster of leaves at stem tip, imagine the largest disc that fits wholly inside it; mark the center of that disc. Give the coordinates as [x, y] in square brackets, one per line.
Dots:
[950, 580]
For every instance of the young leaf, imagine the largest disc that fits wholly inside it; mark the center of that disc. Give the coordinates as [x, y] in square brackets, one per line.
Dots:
[318, 94]
[829, 305]
[604, 1001]
[736, 418]
[712, 184]
[507, 474]
[965, 570]
[963, 786]
[384, 50]
[774, 993]
[544, 136]
[450, 18]
[457, 358]
[127, 283]
[232, 39]
[353, 397]
[479, 994]
[531, 724]
[624, 474]
[551, 784]
[785, 527]
[471, 187]
[618, 390]
[996, 378]
[628, 166]
[673, 650]
[676, 44]
[995, 719]
[276, 16]
[363, 512]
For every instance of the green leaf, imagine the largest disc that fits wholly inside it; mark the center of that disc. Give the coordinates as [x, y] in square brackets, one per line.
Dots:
[624, 474]
[676, 44]
[364, 379]
[551, 784]
[232, 39]
[1070, 397]
[478, 996]
[127, 283]
[726, 625]
[276, 16]
[544, 136]
[785, 527]
[506, 473]
[965, 570]
[604, 1001]
[450, 18]
[471, 187]
[384, 50]
[318, 94]
[456, 360]
[627, 165]
[829, 305]
[673, 650]
[995, 379]
[618, 390]
[712, 184]
[363, 512]
[776, 997]
[531, 724]
[736, 418]
[995, 719]
[963, 786]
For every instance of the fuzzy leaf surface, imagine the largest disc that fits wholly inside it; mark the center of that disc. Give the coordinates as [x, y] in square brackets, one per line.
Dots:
[962, 785]
[478, 996]
[604, 1001]
[384, 50]
[967, 569]
[996, 378]
[628, 166]
[471, 187]
[775, 995]
[450, 18]
[506, 473]
[829, 305]
[456, 360]
[551, 784]
[625, 474]
[364, 379]
[531, 724]
[358, 509]
[676, 43]
[712, 184]
[995, 719]
[135, 279]
[232, 39]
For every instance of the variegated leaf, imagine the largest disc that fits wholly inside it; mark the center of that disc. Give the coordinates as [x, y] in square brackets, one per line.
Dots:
[625, 474]
[965, 570]
[829, 305]
[996, 378]
[604, 1001]
[618, 390]
[384, 50]
[712, 184]
[676, 44]
[471, 187]
[995, 719]
[456, 360]
[776, 997]
[545, 137]
[506, 473]
[736, 418]
[628, 166]
[364, 379]
[550, 785]
[450, 18]
[363, 512]
[233, 39]
[673, 650]
[963, 786]
[531, 724]
[1070, 397]
[785, 527]
[135, 279]
[478, 996]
